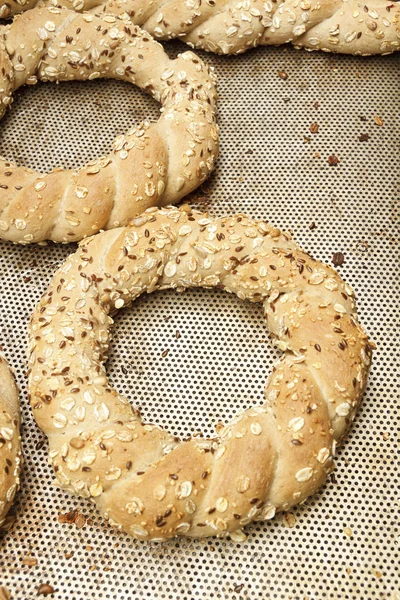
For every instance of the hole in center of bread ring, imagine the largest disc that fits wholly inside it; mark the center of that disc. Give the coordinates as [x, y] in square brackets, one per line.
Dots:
[190, 361]
[72, 122]
[146, 481]
[153, 164]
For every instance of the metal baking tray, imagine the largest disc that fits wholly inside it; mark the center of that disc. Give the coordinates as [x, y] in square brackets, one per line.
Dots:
[342, 543]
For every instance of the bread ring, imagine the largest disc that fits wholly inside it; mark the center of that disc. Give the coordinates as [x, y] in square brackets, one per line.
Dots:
[144, 480]
[234, 26]
[152, 165]
[10, 440]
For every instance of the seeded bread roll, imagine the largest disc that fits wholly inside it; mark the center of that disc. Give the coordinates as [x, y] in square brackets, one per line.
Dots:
[147, 482]
[152, 165]
[10, 440]
[231, 27]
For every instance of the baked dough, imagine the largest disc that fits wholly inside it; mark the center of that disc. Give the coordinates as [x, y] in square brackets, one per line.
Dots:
[154, 164]
[234, 26]
[10, 440]
[147, 482]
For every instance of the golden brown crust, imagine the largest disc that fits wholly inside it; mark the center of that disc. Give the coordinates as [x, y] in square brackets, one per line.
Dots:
[234, 26]
[154, 164]
[267, 459]
[10, 440]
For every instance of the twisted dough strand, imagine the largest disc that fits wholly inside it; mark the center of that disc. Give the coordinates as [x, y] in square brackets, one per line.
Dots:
[267, 459]
[233, 26]
[10, 440]
[152, 165]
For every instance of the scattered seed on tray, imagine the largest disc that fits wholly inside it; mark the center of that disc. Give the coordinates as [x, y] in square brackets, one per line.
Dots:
[289, 520]
[376, 573]
[45, 589]
[80, 521]
[338, 259]
[29, 561]
[348, 531]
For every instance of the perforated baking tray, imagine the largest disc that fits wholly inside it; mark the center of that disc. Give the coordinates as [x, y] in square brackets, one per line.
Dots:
[342, 543]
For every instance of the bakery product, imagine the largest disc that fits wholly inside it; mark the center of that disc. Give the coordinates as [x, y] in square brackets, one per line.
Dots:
[234, 26]
[10, 440]
[267, 459]
[152, 165]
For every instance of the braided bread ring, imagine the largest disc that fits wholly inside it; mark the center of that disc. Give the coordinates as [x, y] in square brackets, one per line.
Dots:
[10, 440]
[267, 459]
[152, 165]
[234, 26]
